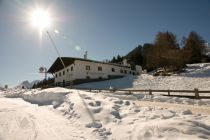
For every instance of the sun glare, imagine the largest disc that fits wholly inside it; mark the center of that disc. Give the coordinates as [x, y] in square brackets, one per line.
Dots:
[40, 19]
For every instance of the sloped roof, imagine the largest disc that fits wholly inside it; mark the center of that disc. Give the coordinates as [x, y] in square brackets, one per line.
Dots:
[57, 65]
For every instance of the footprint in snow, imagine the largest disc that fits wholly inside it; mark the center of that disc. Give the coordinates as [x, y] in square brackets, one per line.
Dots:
[95, 104]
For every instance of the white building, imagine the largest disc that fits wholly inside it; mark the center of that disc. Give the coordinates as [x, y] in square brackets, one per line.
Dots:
[78, 70]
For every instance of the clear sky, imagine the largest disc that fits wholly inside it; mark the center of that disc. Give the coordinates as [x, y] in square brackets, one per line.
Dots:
[104, 28]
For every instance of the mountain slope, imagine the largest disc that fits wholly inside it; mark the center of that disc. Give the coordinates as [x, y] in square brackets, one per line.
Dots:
[135, 56]
[27, 84]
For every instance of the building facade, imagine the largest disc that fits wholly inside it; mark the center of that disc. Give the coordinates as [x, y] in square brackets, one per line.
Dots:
[79, 70]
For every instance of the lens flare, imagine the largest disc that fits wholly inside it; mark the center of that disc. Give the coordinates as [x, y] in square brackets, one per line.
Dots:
[56, 31]
[40, 19]
[77, 48]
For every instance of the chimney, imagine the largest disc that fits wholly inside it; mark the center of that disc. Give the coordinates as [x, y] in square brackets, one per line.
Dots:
[85, 55]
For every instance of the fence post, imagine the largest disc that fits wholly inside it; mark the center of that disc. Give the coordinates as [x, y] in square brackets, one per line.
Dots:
[130, 92]
[196, 93]
[168, 92]
[90, 89]
[150, 92]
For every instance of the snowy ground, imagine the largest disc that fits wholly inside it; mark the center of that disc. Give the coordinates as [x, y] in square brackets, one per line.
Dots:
[196, 76]
[20, 120]
[87, 115]
[60, 113]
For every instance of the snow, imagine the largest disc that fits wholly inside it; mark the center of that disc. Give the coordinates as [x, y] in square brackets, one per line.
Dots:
[196, 76]
[125, 82]
[20, 120]
[1, 91]
[59, 113]
[43, 98]
[106, 115]
[168, 99]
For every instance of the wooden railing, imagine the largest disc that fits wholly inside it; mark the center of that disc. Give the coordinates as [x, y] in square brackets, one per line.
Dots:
[196, 93]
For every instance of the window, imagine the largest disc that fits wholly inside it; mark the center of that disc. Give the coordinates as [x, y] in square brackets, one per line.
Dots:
[72, 68]
[134, 73]
[121, 71]
[100, 68]
[56, 75]
[130, 72]
[63, 72]
[125, 71]
[113, 70]
[87, 67]
[59, 74]
[100, 77]
[67, 70]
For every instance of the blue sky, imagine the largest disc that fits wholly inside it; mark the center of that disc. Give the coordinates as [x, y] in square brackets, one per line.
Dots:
[104, 28]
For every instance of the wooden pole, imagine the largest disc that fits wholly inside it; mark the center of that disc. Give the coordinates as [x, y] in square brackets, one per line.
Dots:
[150, 92]
[196, 93]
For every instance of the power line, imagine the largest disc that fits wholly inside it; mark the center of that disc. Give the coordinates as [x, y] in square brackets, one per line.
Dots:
[53, 43]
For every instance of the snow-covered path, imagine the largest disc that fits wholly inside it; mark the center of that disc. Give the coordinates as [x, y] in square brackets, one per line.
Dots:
[20, 120]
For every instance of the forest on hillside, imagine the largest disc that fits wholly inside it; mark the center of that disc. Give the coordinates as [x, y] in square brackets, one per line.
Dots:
[166, 52]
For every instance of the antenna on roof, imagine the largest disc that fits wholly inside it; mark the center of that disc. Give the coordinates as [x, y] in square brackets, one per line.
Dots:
[85, 55]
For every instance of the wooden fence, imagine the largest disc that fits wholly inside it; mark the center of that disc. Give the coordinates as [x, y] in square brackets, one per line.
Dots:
[196, 93]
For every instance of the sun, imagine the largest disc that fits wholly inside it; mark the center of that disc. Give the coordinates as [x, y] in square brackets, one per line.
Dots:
[41, 19]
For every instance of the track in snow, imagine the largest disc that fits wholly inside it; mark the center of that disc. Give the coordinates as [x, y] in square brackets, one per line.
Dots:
[22, 120]
[194, 109]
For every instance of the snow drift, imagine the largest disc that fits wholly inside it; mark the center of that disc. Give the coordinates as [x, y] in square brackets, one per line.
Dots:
[46, 97]
[41, 97]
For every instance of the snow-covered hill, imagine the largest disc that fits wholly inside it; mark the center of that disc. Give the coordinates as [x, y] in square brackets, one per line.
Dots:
[198, 70]
[27, 84]
[195, 76]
